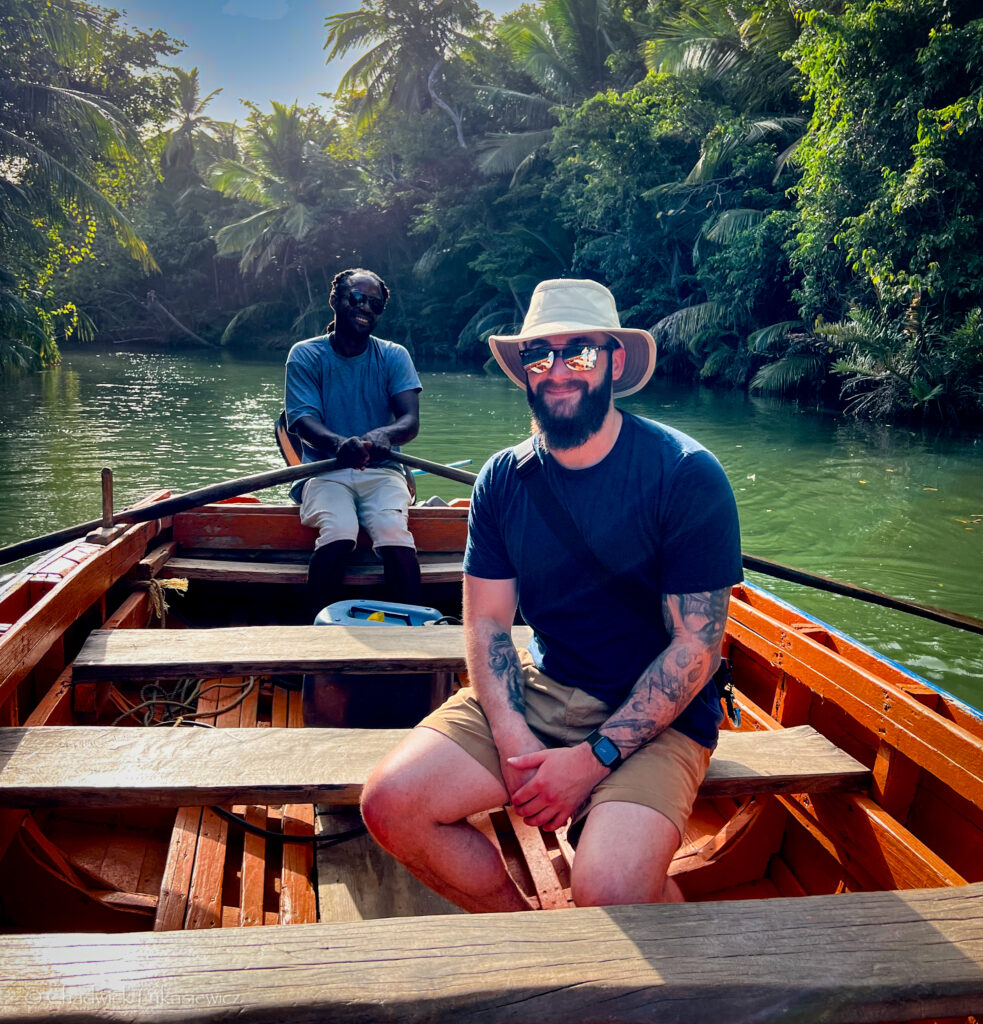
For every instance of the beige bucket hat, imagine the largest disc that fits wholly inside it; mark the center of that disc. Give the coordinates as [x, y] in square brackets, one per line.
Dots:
[565, 307]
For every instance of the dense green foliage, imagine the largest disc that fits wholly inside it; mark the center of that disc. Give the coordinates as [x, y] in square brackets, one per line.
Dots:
[788, 193]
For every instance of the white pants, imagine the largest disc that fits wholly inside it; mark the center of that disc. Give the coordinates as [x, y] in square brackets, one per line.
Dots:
[378, 498]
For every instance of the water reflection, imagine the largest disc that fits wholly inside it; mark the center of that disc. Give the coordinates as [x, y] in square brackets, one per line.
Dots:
[891, 509]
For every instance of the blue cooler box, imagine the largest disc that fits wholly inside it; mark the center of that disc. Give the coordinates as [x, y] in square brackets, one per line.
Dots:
[375, 613]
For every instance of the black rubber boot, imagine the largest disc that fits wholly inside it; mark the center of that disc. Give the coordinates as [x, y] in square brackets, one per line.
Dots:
[402, 571]
[325, 574]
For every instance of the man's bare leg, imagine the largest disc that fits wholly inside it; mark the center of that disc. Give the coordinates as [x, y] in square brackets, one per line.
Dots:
[415, 804]
[623, 856]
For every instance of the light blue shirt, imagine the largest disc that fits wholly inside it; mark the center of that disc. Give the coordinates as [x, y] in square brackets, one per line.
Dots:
[350, 396]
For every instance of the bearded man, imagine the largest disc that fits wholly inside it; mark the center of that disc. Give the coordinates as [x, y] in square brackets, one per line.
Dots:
[617, 539]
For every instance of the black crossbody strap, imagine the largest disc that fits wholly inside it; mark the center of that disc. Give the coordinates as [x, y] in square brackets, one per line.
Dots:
[625, 590]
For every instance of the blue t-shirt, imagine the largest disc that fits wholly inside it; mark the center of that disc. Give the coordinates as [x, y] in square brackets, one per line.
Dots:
[659, 508]
[350, 396]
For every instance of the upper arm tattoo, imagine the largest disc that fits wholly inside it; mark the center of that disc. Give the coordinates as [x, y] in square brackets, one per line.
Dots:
[503, 660]
[703, 615]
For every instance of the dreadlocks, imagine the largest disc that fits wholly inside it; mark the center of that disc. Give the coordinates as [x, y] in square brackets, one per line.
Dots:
[339, 288]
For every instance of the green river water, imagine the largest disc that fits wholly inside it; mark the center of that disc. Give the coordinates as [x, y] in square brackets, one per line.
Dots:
[888, 508]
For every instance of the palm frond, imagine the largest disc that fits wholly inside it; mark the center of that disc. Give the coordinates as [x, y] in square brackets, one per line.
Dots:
[789, 373]
[730, 223]
[679, 329]
[766, 338]
[237, 237]
[504, 152]
[65, 182]
[523, 108]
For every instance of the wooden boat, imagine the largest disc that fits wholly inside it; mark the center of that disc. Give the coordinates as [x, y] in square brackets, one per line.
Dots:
[833, 865]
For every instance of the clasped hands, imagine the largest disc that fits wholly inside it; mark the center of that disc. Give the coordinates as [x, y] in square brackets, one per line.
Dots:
[355, 452]
[548, 786]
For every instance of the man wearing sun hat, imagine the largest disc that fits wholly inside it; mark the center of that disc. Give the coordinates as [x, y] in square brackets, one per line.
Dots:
[623, 571]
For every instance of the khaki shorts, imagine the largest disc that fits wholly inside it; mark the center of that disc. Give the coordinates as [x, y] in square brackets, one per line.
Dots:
[376, 497]
[664, 774]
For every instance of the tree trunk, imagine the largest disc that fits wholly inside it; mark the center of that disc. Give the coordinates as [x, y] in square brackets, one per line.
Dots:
[455, 117]
[156, 306]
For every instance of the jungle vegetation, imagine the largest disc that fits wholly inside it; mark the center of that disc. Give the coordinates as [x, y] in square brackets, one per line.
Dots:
[788, 193]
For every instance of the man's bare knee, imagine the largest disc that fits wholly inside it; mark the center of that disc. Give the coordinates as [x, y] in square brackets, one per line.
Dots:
[609, 891]
[631, 870]
[384, 806]
[409, 792]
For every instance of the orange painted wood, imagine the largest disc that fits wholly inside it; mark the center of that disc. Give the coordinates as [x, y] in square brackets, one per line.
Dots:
[792, 703]
[944, 749]
[894, 851]
[298, 899]
[870, 844]
[950, 825]
[207, 876]
[254, 854]
[549, 892]
[14, 603]
[739, 854]
[783, 879]
[896, 778]
[23, 646]
[179, 871]
[278, 528]
[150, 565]
[811, 856]
[134, 612]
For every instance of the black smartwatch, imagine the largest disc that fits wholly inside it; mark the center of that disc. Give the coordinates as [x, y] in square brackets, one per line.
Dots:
[604, 750]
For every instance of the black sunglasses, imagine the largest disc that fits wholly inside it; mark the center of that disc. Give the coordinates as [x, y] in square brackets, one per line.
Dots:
[577, 358]
[357, 298]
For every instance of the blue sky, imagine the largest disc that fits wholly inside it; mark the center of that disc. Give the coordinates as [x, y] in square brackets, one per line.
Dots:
[259, 50]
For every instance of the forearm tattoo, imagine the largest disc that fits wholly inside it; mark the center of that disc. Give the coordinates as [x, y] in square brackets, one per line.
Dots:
[504, 663]
[696, 627]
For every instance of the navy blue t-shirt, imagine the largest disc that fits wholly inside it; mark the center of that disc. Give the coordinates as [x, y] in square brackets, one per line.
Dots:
[658, 507]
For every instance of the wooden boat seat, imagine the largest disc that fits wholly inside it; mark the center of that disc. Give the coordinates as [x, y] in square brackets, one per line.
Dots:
[103, 766]
[135, 655]
[840, 958]
[433, 569]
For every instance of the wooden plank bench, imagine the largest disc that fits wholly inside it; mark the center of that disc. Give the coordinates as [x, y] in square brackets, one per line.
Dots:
[433, 569]
[102, 766]
[840, 958]
[134, 655]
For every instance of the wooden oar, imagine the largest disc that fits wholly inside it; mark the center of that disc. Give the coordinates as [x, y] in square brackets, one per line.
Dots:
[205, 495]
[260, 481]
[808, 579]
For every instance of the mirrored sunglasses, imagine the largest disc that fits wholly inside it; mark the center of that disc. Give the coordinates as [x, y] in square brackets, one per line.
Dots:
[357, 298]
[577, 358]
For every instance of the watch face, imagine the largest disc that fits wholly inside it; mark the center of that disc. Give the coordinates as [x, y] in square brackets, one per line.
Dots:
[607, 752]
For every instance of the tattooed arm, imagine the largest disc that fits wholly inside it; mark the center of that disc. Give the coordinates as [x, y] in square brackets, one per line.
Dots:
[494, 669]
[564, 777]
[696, 627]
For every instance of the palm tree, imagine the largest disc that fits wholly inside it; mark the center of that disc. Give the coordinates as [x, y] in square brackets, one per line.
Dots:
[178, 156]
[285, 173]
[409, 40]
[563, 47]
